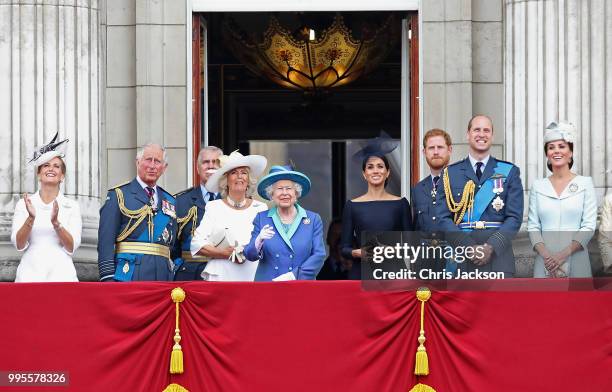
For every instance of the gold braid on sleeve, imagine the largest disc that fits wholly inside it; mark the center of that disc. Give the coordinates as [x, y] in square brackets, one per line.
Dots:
[192, 215]
[139, 215]
[467, 198]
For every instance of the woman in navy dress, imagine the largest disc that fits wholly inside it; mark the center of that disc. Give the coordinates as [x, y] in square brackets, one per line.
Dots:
[377, 209]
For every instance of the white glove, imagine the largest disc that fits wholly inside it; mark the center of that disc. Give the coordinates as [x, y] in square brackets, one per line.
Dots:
[265, 233]
[284, 277]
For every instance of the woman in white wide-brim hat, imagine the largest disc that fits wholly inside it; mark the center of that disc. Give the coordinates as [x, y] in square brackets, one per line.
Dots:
[562, 210]
[46, 224]
[227, 223]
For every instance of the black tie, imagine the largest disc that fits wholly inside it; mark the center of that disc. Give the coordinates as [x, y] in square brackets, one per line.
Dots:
[435, 182]
[211, 196]
[479, 169]
[151, 192]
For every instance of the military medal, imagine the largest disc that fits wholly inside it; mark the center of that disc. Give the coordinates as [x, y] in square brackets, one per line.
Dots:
[573, 188]
[498, 184]
[126, 268]
[165, 235]
[498, 204]
[168, 209]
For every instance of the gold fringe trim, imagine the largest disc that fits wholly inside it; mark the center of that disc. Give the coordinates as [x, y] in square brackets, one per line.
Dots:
[192, 215]
[139, 214]
[176, 358]
[175, 388]
[467, 198]
[421, 365]
[422, 388]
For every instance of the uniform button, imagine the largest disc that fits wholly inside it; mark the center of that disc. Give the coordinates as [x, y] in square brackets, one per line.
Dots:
[434, 202]
[290, 256]
[479, 186]
[433, 218]
[290, 268]
[277, 255]
[458, 193]
[419, 211]
[275, 267]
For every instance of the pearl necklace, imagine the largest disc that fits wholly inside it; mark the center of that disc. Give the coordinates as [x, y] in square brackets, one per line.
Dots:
[236, 204]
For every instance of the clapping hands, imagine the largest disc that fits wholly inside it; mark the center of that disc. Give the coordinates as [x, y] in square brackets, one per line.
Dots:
[29, 206]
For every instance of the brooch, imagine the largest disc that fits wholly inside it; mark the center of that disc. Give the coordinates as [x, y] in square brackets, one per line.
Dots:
[498, 204]
[306, 221]
[573, 188]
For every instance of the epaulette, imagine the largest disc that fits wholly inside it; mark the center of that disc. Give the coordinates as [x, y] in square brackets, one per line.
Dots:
[501, 160]
[119, 186]
[181, 193]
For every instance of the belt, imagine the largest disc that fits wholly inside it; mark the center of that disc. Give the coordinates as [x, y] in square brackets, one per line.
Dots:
[143, 248]
[186, 255]
[480, 225]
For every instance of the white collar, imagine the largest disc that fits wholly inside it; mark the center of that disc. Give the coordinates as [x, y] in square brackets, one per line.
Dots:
[144, 185]
[484, 161]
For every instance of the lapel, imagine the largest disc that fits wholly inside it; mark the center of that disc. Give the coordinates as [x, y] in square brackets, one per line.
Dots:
[301, 214]
[197, 198]
[138, 192]
[549, 190]
[468, 171]
[488, 170]
[427, 186]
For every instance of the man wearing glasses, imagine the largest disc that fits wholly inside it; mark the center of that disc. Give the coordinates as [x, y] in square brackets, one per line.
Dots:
[190, 205]
[138, 224]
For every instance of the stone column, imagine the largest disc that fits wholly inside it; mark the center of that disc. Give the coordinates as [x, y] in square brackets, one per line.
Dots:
[49, 69]
[557, 67]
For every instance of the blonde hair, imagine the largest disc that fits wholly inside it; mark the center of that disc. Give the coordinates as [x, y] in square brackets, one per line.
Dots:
[251, 187]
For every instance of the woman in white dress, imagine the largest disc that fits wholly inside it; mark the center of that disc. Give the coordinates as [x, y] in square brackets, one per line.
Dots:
[47, 225]
[227, 223]
[562, 210]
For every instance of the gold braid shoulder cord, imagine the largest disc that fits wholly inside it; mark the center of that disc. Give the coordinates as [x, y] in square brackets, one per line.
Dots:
[139, 214]
[467, 198]
[192, 215]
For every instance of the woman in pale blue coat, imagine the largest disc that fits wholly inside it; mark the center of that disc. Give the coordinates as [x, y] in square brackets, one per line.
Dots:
[562, 210]
[287, 239]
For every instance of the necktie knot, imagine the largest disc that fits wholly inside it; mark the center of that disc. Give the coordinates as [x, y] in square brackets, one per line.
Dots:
[151, 193]
[211, 196]
[435, 181]
[479, 169]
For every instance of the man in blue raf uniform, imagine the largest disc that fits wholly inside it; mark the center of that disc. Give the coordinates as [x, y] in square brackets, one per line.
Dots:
[482, 197]
[138, 224]
[190, 210]
[437, 148]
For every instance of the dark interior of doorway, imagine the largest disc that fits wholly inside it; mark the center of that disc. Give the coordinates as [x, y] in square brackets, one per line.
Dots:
[243, 107]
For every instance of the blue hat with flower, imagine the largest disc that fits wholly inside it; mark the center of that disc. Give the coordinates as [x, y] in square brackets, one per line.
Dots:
[278, 173]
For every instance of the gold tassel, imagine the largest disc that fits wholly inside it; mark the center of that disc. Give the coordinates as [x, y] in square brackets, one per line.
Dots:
[421, 366]
[176, 358]
[175, 388]
[422, 388]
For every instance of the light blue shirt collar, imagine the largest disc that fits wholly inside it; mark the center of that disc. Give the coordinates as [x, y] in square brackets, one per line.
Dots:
[205, 193]
[473, 162]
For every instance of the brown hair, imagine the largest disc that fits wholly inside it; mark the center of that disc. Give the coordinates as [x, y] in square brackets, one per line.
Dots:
[571, 147]
[62, 165]
[437, 132]
[479, 115]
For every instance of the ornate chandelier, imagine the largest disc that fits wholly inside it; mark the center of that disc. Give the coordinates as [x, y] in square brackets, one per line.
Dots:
[309, 60]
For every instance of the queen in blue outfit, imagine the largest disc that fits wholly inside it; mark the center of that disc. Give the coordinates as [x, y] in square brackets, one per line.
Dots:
[287, 239]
